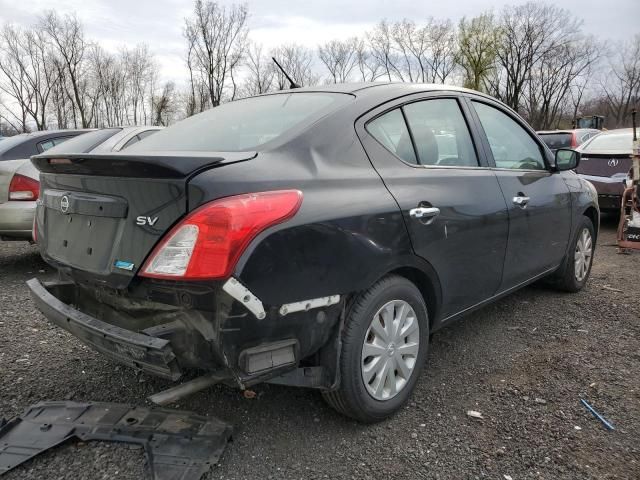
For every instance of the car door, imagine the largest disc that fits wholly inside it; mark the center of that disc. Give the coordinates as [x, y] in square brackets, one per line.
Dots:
[538, 199]
[450, 200]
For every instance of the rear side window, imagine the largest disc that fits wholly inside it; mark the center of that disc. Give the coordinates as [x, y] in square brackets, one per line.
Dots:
[440, 133]
[46, 145]
[391, 131]
[511, 145]
[85, 142]
[244, 124]
[556, 140]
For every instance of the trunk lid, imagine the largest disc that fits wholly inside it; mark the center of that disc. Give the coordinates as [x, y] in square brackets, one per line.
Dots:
[604, 165]
[99, 216]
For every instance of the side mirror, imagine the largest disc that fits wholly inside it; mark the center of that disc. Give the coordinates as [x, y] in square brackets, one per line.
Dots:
[566, 159]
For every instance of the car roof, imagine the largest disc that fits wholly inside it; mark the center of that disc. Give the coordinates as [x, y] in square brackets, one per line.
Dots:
[382, 90]
[52, 133]
[618, 132]
[24, 145]
[568, 130]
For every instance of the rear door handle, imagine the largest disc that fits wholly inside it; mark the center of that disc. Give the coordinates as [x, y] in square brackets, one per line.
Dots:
[425, 213]
[521, 201]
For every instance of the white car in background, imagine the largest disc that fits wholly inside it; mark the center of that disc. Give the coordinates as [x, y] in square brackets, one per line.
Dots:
[19, 185]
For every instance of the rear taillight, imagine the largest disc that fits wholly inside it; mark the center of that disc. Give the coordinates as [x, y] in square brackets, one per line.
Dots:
[209, 241]
[23, 188]
[574, 140]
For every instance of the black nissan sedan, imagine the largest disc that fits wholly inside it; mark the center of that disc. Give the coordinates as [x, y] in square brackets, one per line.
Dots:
[313, 237]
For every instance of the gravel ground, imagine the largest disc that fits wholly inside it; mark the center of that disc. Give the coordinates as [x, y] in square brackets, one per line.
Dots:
[524, 363]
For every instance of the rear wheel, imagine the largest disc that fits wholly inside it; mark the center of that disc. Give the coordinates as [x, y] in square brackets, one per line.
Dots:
[578, 264]
[384, 347]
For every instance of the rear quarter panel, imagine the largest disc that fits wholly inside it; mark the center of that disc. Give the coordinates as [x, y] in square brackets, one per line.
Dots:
[583, 197]
[348, 232]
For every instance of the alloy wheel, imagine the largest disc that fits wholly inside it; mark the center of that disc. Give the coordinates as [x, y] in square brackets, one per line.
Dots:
[583, 253]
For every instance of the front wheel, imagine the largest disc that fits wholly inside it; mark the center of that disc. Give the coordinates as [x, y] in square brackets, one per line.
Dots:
[578, 264]
[384, 347]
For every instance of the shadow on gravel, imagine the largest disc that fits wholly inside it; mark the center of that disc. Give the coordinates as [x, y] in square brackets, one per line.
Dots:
[21, 258]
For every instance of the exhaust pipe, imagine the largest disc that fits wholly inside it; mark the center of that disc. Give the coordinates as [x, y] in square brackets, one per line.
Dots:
[173, 394]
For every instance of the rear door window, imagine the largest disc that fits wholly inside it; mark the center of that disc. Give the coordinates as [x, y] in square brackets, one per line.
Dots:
[440, 133]
[511, 145]
[391, 131]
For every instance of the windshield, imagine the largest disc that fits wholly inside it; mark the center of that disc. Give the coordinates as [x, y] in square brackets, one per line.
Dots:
[243, 124]
[86, 142]
[615, 142]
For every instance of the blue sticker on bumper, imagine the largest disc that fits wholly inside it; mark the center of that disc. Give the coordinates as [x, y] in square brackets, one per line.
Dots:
[124, 265]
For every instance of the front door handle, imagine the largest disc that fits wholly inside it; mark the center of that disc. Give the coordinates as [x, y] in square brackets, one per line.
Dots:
[424, 213]
[521, 201]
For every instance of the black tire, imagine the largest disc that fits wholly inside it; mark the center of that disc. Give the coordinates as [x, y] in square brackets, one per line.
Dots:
[352, 398]
[566, 279]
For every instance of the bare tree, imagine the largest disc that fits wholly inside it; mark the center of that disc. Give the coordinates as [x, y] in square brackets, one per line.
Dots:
[260, 74]
[164, 105]
[216, 38]
[67, 37]
[14, 83]
[622, 84]
[530, 32]
[381, 49]
[340, 58]
[28, 67]
[415, 53]
[367, 63]
[139, 68]
[297, 61]
[553, 77]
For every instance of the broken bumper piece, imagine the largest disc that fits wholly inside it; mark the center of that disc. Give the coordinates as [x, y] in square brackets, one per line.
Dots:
[179, 445]
[151, 354]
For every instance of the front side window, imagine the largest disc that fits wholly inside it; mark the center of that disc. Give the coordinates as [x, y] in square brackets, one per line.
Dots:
[391, 131]
[440, 133]
[511, 145]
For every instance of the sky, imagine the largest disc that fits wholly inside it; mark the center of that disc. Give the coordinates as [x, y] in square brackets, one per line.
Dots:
[159, 23]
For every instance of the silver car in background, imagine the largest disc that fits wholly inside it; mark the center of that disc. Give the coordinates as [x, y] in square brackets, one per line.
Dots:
[19, 185]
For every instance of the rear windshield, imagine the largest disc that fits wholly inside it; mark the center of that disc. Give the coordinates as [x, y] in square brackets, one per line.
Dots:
[9, 142]
[243, 124]
[556, 140]
[86, 142]
[610, 142]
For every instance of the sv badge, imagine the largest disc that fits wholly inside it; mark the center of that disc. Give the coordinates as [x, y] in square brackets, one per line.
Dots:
[151, 221]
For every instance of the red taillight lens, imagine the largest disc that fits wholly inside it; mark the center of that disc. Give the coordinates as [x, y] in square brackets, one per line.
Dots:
[574, 140]
[209, 241]
[23, 188]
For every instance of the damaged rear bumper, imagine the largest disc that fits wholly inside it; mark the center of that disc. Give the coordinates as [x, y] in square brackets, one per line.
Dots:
[151, 354]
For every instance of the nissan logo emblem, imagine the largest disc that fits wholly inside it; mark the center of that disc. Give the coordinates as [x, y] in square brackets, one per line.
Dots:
[613, 162]
[64, 204]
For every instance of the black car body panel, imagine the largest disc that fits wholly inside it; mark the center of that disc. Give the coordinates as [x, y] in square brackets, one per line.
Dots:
[353, 227]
